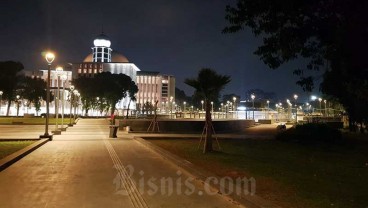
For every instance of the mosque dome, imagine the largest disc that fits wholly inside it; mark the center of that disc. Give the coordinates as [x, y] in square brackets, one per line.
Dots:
[88, 58]
[118, 57]
[102, 41]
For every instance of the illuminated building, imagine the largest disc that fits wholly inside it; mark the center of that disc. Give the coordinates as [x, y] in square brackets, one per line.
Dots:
[155, 87]
[152, 86]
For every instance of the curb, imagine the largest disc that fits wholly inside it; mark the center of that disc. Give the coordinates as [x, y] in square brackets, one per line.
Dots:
[11, 159]
[248, 201]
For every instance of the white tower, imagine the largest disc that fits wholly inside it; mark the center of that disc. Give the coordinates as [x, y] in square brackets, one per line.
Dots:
[101, 51]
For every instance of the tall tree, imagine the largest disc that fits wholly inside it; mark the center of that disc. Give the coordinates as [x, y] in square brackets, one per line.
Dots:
[9, 76]
[34, 90]
[331, 34]
[208, 85]
[112, 87]
[132, 91]
[87, 88]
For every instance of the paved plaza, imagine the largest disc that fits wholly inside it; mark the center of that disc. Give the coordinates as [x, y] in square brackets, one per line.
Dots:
[84, 168]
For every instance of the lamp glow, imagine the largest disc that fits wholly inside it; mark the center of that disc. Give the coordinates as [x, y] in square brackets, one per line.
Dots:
[50, 57]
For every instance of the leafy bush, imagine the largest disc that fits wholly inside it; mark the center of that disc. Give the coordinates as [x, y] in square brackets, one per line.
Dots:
[311, 132]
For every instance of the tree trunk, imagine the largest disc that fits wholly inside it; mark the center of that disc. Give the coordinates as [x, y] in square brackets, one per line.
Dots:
[127, 114]
[112, 114]
[208, 127]
[8, 108]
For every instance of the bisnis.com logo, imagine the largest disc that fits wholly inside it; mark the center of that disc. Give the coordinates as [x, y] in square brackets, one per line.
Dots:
[178, 184]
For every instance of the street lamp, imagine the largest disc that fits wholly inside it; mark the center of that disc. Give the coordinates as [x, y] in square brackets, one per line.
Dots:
[202, 104]
[184, 103]
[76, 102]
[71, 94]
[1, 99]
[171, 100]
[236, 110]
[325, 101]
[253, 96]
[98, 105]
[296, 109]
[64, 77]
[59, 70]
[17, 101]
[50, 57]
[320, 105]
[268, 108]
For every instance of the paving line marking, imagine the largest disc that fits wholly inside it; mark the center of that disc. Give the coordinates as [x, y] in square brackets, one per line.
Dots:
[129, 185]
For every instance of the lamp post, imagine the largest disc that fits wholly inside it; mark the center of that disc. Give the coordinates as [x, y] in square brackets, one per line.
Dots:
[71, 94]
[98, 104]
[184, 103]
[50, 57]
[64, 77]
[192, 107]
[268, 109]
[296, 109]
[236, 112]
[222, 110]
[59, 70]
[202, 104]
[1, 99]
[76, 102]
[253, 96]
[325, 101]
[320, 105]
[171, 100]
[17, 101]
[227, 107]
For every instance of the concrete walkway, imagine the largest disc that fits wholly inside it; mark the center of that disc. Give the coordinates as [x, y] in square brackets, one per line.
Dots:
[84, 168]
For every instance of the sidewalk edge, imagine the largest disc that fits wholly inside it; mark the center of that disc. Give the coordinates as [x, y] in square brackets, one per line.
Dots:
[11, 159]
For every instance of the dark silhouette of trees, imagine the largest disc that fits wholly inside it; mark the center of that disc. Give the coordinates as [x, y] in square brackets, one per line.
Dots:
[132, 92]
[9, 76]
[34, 90]
[331, 35]
[88, 89]
[109, 87]
[181, 97]
[208, 85]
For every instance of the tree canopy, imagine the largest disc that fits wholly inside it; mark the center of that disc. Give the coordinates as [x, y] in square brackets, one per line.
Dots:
[331, 34]
[9, 76]
[109, 87]
[34, 90]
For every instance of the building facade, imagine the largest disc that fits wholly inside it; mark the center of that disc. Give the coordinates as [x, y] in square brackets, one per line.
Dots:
[155, 87]
[151, 85]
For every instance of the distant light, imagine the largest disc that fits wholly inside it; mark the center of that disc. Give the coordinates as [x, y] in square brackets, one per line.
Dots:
[313, 97]
[102, 43]
[242, 108]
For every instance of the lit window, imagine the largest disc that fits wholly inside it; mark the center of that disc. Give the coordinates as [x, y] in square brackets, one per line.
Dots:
[79, 71]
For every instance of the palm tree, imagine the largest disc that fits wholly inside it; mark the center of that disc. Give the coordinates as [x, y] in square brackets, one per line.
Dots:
[208, 85]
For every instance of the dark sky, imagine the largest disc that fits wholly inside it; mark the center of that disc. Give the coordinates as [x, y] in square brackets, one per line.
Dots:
[173, 37]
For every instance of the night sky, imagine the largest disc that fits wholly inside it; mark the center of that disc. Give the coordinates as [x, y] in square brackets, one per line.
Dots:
[173, 37]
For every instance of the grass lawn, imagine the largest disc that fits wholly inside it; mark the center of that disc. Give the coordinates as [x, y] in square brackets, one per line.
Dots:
[35, 120]
[9, 147]
[288, 174]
